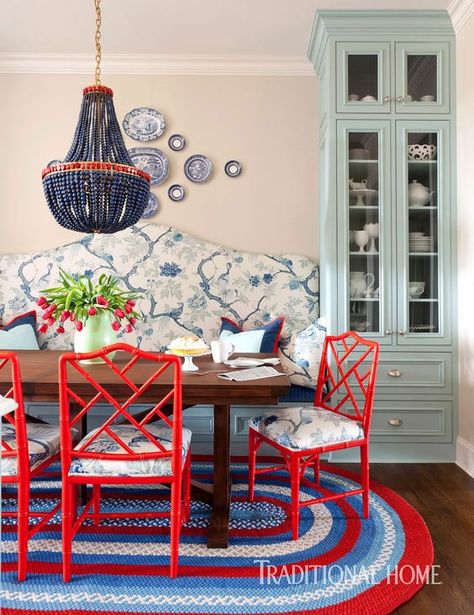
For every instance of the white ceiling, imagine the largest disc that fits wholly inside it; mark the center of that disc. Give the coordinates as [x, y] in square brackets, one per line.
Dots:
[187, 27]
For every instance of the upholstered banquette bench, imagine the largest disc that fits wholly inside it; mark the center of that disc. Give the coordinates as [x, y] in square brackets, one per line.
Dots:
[187, 285]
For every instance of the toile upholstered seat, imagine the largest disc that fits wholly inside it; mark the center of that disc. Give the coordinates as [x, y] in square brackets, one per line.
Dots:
[303, 428]
[43, 443]
[138, 443]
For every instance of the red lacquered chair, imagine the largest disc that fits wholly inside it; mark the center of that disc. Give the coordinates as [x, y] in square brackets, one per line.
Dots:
[123, 451]
[340, 419]
[27, 449]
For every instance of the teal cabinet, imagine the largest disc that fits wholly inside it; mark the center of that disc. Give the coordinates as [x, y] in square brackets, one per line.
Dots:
[363, 77]
[422, 83]
[387, 207]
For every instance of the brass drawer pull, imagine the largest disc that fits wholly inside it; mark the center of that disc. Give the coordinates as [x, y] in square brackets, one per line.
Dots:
[394, 373]
[395, 422]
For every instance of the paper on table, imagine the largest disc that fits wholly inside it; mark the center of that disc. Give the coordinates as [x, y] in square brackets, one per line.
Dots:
[255, 373]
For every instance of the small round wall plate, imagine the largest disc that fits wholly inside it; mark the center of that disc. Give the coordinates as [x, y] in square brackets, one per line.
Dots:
[176, 192]
[233, 168]
[176, 142]
[144, 124]
[152, 206]
[198, 168]
[152, 161]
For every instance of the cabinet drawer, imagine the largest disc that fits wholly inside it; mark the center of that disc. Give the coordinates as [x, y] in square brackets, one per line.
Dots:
[418, 421]
[414, 373]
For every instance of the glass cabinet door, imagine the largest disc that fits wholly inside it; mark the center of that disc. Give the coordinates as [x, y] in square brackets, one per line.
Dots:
[363, 71]
[423, 232]
[365, 215]
[421, 78]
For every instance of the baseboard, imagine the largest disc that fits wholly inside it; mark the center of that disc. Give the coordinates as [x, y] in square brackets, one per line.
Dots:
[465, 455]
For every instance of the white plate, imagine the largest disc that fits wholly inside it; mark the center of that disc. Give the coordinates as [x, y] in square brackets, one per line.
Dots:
[243, 362]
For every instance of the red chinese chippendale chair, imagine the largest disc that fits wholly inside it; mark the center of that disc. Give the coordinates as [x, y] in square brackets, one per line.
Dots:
[123, 451]
[340, 419]
[27, 449]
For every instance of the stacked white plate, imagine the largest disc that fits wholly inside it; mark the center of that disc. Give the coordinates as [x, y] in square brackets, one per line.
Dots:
[418, 242]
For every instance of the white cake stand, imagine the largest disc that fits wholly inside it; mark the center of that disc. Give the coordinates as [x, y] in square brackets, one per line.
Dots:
[188, 365]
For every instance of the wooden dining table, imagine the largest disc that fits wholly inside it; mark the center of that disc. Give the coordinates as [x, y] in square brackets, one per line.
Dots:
[39, 373]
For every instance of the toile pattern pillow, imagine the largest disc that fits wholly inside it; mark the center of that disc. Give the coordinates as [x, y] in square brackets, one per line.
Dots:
[300, 354]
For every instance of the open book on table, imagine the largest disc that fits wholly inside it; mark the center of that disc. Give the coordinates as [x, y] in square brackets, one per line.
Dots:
[255, 373]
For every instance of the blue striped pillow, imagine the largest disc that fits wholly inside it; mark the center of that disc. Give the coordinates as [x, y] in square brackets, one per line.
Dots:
[261, 339]
[20, 333]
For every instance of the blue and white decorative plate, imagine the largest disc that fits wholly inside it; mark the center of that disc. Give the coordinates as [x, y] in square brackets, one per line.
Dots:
[233, 168]
[144, 124]
[152, 161]
[176, 192]
[198, 168]
[152, 206]
[176, 142]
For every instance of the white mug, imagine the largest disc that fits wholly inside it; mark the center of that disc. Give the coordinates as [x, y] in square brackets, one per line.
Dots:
[221, 350]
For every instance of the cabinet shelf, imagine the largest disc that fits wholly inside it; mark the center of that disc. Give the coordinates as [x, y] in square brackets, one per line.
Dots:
[424, 208]
[364, 253]
[422, 253]
[423, 300]
[422, 161]
[361, 207]
[362, 161]
[365, 299]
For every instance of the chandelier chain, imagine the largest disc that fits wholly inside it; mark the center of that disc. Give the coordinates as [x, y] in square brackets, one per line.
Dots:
[98, 48]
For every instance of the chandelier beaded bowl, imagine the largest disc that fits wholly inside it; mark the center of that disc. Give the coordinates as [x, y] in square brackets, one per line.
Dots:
[96, 189]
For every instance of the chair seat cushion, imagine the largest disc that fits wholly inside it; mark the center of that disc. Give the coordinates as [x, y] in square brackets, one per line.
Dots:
[135, 440]
[304, 428]
[43, 442]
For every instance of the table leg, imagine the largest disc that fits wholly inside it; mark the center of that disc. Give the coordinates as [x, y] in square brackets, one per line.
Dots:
[219, 527]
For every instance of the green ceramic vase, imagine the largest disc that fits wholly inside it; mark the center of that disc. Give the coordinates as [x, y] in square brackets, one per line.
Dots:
[96, 333]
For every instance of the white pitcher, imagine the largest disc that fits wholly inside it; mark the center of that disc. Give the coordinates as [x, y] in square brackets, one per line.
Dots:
[360, 283]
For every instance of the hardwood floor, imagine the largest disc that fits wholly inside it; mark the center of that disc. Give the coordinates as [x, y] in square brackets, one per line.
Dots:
[444, 496]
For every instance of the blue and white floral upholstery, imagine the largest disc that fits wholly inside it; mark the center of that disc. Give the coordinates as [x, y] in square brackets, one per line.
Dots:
[187, 284]
[135, 440]
[300, 354]
[43, 442]
[304, 428]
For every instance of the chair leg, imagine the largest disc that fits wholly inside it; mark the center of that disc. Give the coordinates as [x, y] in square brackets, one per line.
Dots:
[96, 503]
[175, 526]
[187, 488]
[67, 521]
[295, 496]
[316, 470]
[23, 527]
[252, 462]
[364, 461]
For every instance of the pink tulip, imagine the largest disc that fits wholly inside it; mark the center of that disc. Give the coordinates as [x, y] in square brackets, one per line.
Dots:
[119, 313]
[128, 329]
[72, 317]
[64, 316]
[60, 330]
[131, 303]
[92, 311]
[51, 321]
[41, 301]
[133, 321]
[101, 300]
[47, 313]
[116, 325]
[43, 328]
[79, 325]
[128, 308]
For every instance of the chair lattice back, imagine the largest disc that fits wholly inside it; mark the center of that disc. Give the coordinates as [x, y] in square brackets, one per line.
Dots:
[16, 444]
[133, 385]
[346, 380]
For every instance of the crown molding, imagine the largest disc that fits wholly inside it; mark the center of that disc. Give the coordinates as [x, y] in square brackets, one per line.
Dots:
[142, 64]
[460, 11]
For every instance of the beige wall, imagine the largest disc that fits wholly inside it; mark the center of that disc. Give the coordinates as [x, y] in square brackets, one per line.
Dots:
[269, 123]
[465, 98]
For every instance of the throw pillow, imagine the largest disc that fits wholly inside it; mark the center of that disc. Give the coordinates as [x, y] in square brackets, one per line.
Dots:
[20, 333]
[261, 339]
[300, 354]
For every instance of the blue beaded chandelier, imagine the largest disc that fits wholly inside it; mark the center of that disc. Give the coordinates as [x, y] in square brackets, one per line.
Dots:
[96, 189]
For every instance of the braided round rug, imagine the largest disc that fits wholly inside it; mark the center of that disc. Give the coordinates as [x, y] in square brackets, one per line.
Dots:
[341, 563]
